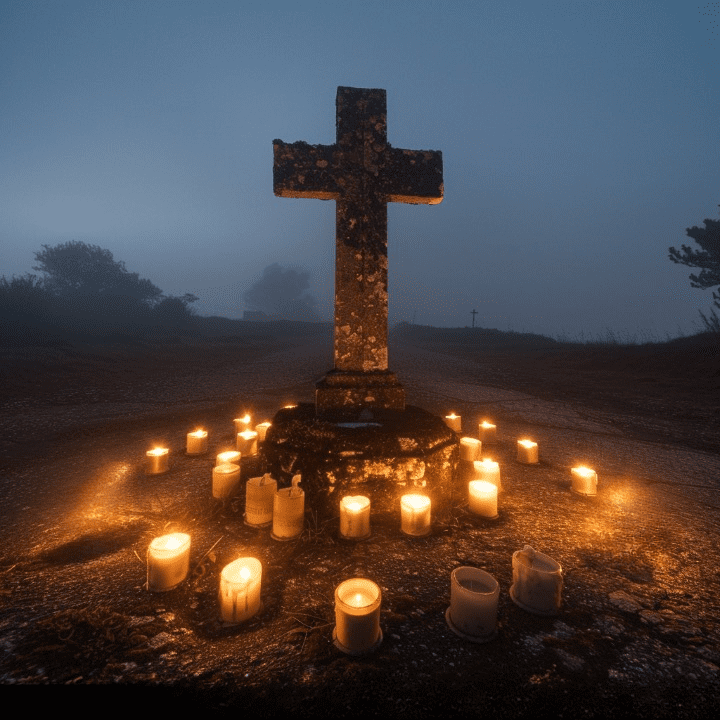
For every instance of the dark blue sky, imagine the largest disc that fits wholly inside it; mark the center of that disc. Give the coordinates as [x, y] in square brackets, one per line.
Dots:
[579, 140]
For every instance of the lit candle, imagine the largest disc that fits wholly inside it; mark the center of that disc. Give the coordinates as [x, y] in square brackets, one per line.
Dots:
[240, 590]
[157, 461]
[197, 442]
[168, 561]
[527, 452]
[473, 604]
[229, 456]
[487, 432]
[489, 471]
[288, 512]
[470, 449]
[225, 479]
[584, 481]
[261, 429]
[357, 616]
[247, 443]
[537, 582]
[482, 498]
[453, 421]
[415, 514]
[259, 499]
[355, 517]
[242, 423]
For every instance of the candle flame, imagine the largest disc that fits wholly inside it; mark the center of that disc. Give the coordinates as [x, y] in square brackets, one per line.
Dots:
[584, 471]
[157, 451]
[245, 573]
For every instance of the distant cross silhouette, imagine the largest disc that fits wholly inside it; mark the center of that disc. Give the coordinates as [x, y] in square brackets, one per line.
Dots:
[474, 313]
[362, 173]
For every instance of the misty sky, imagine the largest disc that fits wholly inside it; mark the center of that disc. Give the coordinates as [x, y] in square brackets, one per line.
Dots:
[579, 138]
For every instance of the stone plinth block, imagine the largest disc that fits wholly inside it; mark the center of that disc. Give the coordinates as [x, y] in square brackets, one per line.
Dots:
[390, 453]
[346, 394]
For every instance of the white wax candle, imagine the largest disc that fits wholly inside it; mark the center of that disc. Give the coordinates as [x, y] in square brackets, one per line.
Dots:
[229, 456]
[482, 498]
[261, 429]
[527, 452]
[197, 442]
[355, 517]
[454, 422]
[247, 443]
[157, 461]
[537, 582]
[225, 479]
[470, 449]
[242, 423]
[168, 561]
[288, 512]
[488, 470]
[584, 481]
[239, 594]
[473, 604]
[357, 616]
[487, 432]
[415, 514]
[259, 500]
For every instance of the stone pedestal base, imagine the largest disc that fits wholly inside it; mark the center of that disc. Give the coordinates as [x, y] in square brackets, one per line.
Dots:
[390, 453]
[346, 394]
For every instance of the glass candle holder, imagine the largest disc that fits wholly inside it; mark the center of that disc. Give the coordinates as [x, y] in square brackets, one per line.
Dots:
[357, 616]
[225, 479]
[473, 604]
[537, 582]
[415, 514]
[355, 517]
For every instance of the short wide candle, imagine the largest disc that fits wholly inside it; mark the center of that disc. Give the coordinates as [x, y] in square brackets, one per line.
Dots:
[157, 461]
[355, 517]
[247, 442]
[584, 481]
[454, 422]
[487, 432]
[470, 449]
[197, 442]
[473, 604]
[482, 498]
[357, 616]
[288, 512]
[537, 582]
[225, 479]
[527, 452]
[168, 561]
[239, 594]
[415, 514]
[259, 499]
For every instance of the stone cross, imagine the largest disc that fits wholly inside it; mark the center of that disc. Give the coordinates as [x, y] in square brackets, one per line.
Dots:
[362, 173]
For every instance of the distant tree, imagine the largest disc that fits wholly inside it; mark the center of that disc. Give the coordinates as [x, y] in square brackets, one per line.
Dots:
[173, 310]
[76, 268]
[707, 258]
[281, 292]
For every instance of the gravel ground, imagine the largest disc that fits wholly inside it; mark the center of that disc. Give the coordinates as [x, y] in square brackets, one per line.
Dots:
[639, 627]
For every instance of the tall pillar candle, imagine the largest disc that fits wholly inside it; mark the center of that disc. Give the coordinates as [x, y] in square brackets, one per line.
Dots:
[168, 561]
[470, 449]
[473, 604]
[482, 498]
[415, 514]
[487, 432]
[527, 452]
[489, 471]
[454, 422]
[357, 616]
[355, 517]
[156, 461]
[197, 442]
[239, 594]
[537, 582]
[289, 512]
[225, 480]
[584, 481]
[259, 500]
[247, 443]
